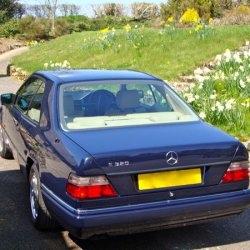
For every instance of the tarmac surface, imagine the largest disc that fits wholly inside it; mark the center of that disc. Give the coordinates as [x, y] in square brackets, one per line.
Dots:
[17, 231]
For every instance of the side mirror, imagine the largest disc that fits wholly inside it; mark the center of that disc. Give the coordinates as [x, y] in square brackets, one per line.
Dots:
[7, 99]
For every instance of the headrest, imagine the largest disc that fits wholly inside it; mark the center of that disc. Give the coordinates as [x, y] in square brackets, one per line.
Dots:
[127, 99]
[68, 105]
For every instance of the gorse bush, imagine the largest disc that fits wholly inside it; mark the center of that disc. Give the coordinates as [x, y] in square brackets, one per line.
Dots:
[9, 29]
[34, 29]
[190, 16]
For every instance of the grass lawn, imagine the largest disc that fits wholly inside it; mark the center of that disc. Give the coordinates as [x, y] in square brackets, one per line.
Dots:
[162, 56]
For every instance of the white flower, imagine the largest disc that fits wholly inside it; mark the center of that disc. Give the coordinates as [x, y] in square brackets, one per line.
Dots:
[241, 68]
[246, 54]
[46, 65]
[227, 55]
[213, 97]
[219, 106]
[202, 115]
[192, 85]
[201, 85]
[206, 70]
[200, 78]
[236, 75]
[229, 104]
[213, 108]
[190, 97]
[197, 97]
[242, 84]
[198, 71]
[247, 43]
[236, 57]
[218, 58]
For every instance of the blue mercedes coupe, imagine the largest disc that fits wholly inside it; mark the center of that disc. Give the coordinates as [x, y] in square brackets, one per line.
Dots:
[118, 151]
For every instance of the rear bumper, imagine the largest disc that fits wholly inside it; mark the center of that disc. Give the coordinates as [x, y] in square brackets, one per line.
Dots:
[145, 217]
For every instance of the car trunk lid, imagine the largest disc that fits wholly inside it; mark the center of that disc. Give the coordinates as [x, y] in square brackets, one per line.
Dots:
[123, 154]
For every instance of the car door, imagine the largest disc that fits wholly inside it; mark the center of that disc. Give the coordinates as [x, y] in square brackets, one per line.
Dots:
[19, 113]
[29, 126]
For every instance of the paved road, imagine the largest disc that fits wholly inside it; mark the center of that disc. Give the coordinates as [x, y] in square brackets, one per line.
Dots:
[17, 232]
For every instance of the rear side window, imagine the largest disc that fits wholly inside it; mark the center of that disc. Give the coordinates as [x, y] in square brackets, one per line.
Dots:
[29, 98]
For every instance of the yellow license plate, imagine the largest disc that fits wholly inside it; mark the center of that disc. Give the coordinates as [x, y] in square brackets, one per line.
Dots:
[171, 178]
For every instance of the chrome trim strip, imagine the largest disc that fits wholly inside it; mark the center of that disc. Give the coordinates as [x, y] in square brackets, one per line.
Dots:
[78, 212]
[166, 168]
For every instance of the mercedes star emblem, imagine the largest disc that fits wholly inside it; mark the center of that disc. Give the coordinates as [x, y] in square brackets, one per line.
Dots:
[171, 157]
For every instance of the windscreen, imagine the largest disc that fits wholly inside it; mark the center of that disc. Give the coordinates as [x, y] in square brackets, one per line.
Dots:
[92, 105]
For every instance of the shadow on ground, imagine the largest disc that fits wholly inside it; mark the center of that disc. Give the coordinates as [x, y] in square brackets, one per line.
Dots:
[17, 231]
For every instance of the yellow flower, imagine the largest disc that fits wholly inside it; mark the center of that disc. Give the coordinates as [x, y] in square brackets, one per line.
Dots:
[170, 19]
[210, 20]
[190, 16]
[127, 27]
[199, 27]
[104, 31]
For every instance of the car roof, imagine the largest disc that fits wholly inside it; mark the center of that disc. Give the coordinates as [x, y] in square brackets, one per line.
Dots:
[94, 75]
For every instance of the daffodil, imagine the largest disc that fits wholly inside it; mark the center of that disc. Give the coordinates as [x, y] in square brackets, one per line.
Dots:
[127, 27]
[199, 27]
[104, 31]
[210, 20]
[170, 19]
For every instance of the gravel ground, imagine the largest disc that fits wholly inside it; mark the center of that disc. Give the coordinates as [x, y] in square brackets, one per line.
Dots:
[17, 232]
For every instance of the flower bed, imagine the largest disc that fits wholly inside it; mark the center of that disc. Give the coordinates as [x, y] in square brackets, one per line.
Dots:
[222, 96]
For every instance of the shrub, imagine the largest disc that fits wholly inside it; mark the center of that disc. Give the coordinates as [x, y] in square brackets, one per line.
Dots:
[190, 16]
[9, 29]
[62, 27]
[239, 15]
[34, 29]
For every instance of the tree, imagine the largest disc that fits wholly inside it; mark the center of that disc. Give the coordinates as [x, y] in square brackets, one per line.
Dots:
[108, 9]
[69, 9]
[39, 10]
[144, 10]
[8, 9]
[52, 7]
[20, 10]
[113, 9]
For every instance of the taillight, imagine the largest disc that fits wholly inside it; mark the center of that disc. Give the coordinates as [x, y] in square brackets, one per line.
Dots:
[237, 171]
[89, 187]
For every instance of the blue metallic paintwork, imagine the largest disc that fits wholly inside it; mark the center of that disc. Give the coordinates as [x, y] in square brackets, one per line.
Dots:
[94, 75]
[164, 213]
[58, 153]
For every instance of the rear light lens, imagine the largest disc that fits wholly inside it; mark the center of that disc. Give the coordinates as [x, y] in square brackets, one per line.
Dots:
[237, 171]
[93, 187]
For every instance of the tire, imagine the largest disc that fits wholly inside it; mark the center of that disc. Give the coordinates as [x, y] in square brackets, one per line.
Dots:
[5, 152]
[40, 216]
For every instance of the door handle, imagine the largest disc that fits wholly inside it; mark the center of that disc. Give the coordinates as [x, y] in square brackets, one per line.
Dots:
[16, 123]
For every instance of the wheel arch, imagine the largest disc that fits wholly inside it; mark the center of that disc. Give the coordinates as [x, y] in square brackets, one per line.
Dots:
[29, 163]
